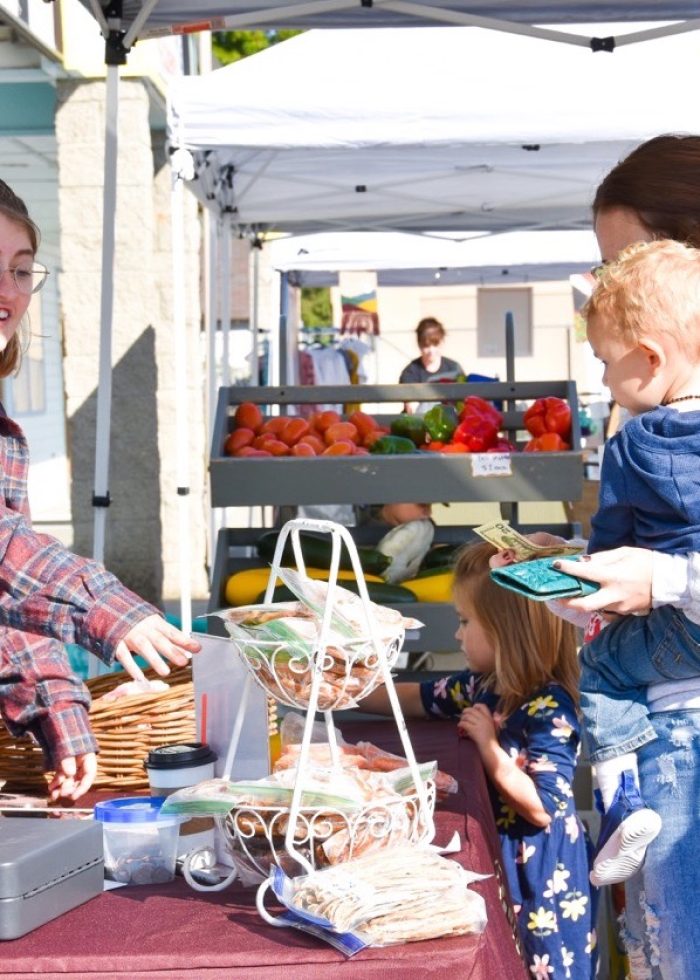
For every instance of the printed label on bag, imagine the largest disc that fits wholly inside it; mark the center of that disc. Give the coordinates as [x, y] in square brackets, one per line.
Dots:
[491, 464]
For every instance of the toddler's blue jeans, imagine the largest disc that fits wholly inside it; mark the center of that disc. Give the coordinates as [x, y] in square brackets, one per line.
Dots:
[617, 666]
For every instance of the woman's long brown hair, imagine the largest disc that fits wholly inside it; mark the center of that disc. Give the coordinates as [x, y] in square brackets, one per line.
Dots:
[660, 181]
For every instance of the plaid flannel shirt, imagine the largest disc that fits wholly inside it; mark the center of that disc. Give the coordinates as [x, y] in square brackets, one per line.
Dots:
[47, 593]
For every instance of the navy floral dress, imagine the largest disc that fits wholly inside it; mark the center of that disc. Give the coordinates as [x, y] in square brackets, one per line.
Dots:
[547, 868]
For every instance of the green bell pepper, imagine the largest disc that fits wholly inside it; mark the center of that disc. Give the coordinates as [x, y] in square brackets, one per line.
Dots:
[410, 427]
[392, 446]
[441, 422]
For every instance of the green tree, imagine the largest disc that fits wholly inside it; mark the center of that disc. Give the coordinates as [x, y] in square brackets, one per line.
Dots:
[231, 46]
[316, 307]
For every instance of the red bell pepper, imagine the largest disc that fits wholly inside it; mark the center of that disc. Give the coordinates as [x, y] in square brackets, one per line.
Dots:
[550, 442]
[473, 405]
[477, 434]
[548, 415]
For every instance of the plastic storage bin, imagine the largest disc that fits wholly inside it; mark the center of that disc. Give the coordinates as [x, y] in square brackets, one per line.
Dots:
[140, 845]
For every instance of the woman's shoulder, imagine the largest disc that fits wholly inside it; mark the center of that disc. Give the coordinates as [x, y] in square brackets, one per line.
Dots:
[411, 371]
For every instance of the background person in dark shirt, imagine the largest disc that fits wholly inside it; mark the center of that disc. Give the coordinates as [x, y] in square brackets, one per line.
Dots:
[431, 365]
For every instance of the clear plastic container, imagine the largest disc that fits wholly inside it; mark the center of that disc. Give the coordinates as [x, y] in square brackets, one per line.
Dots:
[140, 845]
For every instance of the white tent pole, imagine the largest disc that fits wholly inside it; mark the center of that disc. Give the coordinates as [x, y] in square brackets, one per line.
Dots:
[211, 300]
[282, 339]
[181, 397]
[254, 324]
[226, 299]
[100, 498]
[212, 309]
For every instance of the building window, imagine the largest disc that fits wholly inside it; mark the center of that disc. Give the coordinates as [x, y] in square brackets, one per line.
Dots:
[492, 306]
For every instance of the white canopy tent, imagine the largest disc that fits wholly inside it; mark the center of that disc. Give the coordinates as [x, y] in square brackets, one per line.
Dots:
[122, 22]
[403, 260]
[437, 259]
[285, 140]
[455, 128]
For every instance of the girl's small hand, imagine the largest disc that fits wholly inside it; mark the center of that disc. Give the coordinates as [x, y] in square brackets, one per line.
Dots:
[478, 724]
[74, 776]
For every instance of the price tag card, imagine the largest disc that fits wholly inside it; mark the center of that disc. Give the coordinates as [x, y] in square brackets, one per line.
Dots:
[491, 464]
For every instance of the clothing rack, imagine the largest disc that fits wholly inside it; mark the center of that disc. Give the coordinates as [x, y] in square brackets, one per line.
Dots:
[318, 337]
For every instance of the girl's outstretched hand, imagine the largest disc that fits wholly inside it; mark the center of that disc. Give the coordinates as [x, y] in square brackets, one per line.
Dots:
[156, 641]
[478, 724]
[74, 776]
[624, 575]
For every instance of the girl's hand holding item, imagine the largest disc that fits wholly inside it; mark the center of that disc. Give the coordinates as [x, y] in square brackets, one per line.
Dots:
[156, 641]
[73, 777]
[624, 576]
[478, 724]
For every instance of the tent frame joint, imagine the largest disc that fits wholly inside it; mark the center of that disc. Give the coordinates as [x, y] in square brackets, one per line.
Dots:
[115, 50]
[603, 44]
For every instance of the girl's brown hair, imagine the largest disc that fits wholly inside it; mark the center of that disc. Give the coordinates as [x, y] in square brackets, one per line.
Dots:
[660, 182]
[427, 324]
[14, 209]
[533, 646]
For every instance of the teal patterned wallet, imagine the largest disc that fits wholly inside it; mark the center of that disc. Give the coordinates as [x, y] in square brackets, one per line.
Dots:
[536, 579]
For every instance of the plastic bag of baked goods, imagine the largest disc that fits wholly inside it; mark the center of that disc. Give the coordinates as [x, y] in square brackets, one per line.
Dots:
[348, 616]
[398, 895]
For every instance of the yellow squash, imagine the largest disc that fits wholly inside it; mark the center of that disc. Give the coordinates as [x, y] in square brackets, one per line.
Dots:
[432, 588]
[244, 587]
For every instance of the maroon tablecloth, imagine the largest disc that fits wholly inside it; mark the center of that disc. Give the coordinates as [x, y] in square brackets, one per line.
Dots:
[170, 932]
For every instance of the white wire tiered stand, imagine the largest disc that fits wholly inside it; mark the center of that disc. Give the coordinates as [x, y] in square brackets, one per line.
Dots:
[293, 836]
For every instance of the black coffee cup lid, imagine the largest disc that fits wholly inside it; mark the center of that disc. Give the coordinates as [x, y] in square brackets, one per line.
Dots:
[180, 756]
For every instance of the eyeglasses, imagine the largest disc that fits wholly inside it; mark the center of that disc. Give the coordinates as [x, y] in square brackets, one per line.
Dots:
[28, 279]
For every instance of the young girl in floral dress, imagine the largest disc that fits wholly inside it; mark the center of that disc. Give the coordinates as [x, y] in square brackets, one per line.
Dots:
[518, 702]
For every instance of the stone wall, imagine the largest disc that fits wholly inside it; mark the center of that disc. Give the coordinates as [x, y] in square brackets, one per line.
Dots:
[141, 538]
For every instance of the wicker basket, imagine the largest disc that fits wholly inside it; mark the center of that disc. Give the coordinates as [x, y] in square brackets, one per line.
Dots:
[126, 731]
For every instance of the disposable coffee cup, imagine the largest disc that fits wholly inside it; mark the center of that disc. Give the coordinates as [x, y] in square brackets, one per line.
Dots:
[172, 767]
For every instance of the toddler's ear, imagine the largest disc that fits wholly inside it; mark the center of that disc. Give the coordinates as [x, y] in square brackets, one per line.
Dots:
[501, 558]
[653, 352]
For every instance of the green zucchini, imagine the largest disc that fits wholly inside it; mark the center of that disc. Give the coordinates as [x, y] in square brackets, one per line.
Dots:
[431, 572]
[317, 551]
[439, 556]
[379, 592]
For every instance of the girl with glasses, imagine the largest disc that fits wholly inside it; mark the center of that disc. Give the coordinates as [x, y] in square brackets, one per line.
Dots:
[47, 591]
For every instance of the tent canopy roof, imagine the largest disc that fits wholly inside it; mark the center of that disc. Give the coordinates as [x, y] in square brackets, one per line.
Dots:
[151, 18]
[437, 260]
[424, 129]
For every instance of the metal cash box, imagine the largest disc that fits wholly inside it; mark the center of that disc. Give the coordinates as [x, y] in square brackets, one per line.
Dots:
[47, 867]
